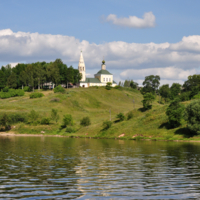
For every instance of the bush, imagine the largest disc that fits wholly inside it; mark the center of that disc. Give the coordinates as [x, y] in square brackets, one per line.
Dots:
[54, 115]
[129, 115]
[36, 95]
[118, 87]
[185, 96]
[120, 117]
[197, 96]
[108, 86]
[18, 117]
[19, 92]
[67, 120]
[192, 116]
[70, 130]
[59, 88]
[174, 113]
[55, 100]
[11, 93]
[27, 89]
[5, 95]
[6, 89]
[5, 121]
[107, 124]
[45, 121]
[85, 121]
[33, 116]
[147, 101]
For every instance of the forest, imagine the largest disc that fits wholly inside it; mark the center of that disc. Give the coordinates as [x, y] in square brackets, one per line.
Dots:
[36, 74]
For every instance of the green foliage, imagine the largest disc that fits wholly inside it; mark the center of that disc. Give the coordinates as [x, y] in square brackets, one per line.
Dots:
[107, 124]
[32, 117]
[11, 93]
[151, 84]
[133, 84]
[118, 87]
[70, 130]
[5, 121]
[185, 96]
[175, 113]
[192, 116]
[54, 115]
[36, 95]
[192, 82]
[12, 80]
[67, 120]
[45, 121]
[108, 86]
[165, 92]
[6, 89]
[175, 90]
[129, 115]
[120, 117]
[85, 121]
[27, 89]
[197, 96]
[59, 88]
[17, 117]
[147, 101]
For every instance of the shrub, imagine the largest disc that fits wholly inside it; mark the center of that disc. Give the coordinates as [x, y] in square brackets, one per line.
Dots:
[59, 88]
[45, 121]
[185, 96]
[67, 120]
[118, 87]
[174, 113]
[108, 86]
[54, 115]
[33, 116]
[4, 95]
[107, 124]
[70, 130]
[27, 89]
[55, 100]
[147, 101]
[85, 121]
[5, 121]
[120, 117]
[36, 95]
[6, 89]
[18, 117]
[197, 96]
[19, 92]
[129, 115]
[192, 116]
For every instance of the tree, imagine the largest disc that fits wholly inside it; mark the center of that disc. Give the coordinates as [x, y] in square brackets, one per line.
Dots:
[107, 124]
[12, 80]
[53, 73]
[2, 80]
[85, 121]
[147, 101]
[54, 115]
[133, 84]
[67, 120]
[151, 84]
[192, 116]
[40, 74]
[108, 86]
[5, 121]
[193, 81]
[175, 90]
[164, 92]
[175, 113]
[120, 117]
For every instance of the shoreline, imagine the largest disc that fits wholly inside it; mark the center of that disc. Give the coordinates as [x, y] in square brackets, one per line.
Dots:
[12, 134]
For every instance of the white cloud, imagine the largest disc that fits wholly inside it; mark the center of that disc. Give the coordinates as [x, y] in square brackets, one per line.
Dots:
[147, 21]
[171, 61]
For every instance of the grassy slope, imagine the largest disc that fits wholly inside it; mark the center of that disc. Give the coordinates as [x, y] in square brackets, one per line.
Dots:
[96, 103]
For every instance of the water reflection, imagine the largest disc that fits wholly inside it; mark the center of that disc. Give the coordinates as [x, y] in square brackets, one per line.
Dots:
[46, 168]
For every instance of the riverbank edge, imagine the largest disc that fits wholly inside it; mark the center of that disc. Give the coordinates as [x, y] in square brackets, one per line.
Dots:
[12, 134]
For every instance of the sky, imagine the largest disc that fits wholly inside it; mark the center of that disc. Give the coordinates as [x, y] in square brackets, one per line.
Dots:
[137, 38]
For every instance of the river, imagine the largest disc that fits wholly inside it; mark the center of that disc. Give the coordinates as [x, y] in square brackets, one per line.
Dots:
[66, 168]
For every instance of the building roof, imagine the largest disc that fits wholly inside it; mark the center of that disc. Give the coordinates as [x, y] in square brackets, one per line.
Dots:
[102, 71]
[91, 80]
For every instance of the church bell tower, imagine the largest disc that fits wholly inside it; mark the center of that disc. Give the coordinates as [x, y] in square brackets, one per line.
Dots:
[81, 67]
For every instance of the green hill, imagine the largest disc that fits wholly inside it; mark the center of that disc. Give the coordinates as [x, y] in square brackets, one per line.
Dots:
[97, 104]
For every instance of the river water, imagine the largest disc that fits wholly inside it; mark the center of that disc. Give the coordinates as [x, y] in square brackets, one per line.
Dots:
[63, 168]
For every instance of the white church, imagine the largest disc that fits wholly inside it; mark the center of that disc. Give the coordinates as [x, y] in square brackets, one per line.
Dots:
[101, 78]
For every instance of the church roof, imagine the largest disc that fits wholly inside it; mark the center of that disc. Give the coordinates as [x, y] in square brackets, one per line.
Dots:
[102, 71]
[91, 80]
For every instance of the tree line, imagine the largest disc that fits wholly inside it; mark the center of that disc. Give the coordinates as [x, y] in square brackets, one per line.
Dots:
[37, 74]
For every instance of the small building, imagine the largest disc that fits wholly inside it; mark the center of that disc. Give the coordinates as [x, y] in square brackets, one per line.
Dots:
[101, 78]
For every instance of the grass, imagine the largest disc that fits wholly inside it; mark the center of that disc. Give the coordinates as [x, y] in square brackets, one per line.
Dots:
[97, 104]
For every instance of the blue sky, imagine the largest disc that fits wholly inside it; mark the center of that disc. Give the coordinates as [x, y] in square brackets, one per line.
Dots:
[89, 27]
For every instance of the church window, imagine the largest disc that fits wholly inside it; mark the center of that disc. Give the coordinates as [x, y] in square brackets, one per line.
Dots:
[104, 79]
[83, 68]
[109, 80]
